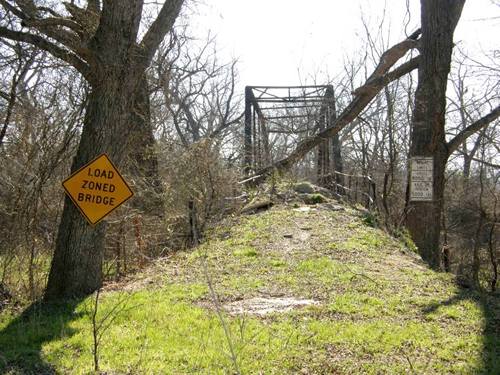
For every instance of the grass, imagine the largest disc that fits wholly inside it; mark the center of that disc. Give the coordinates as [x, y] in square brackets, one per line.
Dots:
[380, 310]
[14, 272]
[246, 251]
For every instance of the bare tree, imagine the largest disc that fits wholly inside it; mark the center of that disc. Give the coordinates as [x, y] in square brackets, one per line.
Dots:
[195, 88]
[42, 135]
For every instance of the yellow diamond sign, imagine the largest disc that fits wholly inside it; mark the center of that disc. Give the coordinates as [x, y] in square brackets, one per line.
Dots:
[97, 188]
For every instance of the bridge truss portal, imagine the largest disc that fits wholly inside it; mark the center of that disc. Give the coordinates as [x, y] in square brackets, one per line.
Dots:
[278, 117]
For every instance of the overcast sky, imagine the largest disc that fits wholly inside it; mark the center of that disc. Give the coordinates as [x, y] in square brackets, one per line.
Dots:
[275, 39]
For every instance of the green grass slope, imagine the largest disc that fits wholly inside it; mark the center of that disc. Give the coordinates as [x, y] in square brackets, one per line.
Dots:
[378, 309]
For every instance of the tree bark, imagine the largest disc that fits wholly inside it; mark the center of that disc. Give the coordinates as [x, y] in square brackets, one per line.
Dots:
[439, 19]
[117, 114]
[77, 263]
[101, 42]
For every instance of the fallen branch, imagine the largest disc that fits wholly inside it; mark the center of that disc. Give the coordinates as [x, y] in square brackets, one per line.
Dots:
[362, 97]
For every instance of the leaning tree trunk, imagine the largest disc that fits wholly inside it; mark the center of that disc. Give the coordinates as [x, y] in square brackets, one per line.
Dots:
[439, 19]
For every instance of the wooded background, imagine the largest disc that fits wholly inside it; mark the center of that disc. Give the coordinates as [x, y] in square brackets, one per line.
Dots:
[81, 78]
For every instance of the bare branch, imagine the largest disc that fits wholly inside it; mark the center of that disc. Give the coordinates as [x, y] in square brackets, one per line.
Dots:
[471, 129]
[160, 27]
[52, 48]
[481, 161]
[16, 11]
[53, 22]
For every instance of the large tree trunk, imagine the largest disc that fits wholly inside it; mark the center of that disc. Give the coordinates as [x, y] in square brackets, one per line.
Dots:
[439, 19]
[76, 268]
[77, 263]
[101, 42]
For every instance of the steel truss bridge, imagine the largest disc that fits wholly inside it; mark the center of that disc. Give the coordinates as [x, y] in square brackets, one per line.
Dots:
[275, 113]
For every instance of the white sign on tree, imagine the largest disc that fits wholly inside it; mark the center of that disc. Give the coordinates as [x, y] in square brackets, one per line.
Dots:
[421, 177]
